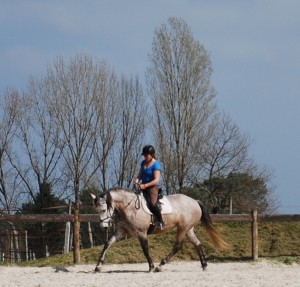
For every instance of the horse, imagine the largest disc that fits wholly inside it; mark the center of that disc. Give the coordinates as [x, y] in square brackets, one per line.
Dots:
[123, 208]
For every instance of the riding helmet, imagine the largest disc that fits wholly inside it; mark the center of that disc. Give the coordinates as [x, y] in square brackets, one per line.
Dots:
[148, 149]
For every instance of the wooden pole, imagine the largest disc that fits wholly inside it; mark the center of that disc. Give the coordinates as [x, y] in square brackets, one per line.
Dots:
[12, 254]
[90, 234]
[26, 246]
[7, 247]
[230, 205]
[16, 251]
[67, 231]
[254, 229]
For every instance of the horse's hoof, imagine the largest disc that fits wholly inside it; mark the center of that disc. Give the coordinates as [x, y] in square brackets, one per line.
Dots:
[157, 269]
[98, 269]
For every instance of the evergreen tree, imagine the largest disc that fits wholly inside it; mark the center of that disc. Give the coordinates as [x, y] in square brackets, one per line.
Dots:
[99, 235]
[45, 236]
[246, 192]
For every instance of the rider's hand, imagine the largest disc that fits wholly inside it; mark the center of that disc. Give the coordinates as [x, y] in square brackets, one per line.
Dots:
[136, 182]
[142, 186]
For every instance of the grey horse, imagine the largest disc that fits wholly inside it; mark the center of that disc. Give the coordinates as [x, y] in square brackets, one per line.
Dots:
[124, 209]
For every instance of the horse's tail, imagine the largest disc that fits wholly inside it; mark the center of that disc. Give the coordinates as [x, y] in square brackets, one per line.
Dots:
[212, 232]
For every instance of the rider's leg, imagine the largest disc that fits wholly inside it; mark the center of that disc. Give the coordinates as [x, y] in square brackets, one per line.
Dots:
[153, 194]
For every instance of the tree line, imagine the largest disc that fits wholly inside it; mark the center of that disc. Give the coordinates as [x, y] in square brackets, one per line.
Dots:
[81, 126]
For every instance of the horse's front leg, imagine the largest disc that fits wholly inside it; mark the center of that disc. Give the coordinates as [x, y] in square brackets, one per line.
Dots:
[112, 240]
[144, 243]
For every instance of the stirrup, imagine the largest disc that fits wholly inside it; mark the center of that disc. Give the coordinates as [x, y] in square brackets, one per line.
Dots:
[161, 225]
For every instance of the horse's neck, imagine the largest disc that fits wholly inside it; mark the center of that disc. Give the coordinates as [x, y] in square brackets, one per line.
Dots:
[119, 198]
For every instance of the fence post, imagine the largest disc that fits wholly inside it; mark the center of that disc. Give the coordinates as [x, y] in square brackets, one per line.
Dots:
[90, 234]
[254, 235]
[68, 230]
[26, 245]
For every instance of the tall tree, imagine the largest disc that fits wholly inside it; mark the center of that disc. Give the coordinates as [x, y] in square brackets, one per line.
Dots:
[9, 180]
[10, 195]
[221, 160]
[108, 109]
[83, 95]
[131, 134]
[37, 159]
[224, 151]
[178, 79]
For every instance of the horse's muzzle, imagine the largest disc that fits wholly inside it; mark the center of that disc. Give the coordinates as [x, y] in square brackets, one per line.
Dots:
[104, 224]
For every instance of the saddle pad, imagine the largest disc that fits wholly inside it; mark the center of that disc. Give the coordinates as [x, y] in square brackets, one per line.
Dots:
[166, 207]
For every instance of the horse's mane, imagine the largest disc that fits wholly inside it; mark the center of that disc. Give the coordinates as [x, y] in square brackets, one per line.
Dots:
[119, 189]
[109, 197]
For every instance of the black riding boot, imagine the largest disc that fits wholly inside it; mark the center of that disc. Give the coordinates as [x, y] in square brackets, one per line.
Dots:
[157, 213]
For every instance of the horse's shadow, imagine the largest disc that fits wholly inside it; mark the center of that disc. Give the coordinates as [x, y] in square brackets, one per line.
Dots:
[114, 271]
[126, 271]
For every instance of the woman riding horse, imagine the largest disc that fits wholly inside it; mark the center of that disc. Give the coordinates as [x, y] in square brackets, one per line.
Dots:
[149, 176]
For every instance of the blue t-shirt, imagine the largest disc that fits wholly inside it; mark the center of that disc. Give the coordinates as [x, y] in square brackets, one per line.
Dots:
[148, 173]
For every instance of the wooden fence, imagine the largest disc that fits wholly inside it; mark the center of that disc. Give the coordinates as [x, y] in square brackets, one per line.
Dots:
[254, 218]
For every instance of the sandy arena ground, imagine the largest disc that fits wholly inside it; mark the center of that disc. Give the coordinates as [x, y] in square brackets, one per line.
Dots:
[175, 274]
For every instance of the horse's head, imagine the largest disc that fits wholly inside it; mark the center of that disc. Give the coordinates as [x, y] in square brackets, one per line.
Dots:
[104, 209]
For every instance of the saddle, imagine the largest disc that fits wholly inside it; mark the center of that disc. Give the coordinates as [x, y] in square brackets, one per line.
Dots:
[163, 201]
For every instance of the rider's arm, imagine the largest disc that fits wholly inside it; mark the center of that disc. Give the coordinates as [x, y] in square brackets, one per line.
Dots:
[137, 180]
[155, 181]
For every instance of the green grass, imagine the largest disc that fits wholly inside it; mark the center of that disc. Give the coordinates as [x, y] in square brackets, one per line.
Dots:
[277, 241]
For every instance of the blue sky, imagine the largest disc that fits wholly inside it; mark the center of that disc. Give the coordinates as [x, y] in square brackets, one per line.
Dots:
[254, 48]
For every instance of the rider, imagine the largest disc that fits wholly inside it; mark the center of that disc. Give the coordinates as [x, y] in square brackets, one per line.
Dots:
[149, 175]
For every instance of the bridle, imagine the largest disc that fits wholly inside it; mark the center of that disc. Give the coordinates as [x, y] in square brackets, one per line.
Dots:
[110, 213]
[108, 217]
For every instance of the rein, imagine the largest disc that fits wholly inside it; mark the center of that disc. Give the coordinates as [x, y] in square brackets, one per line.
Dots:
[137, 201]
[137, 192]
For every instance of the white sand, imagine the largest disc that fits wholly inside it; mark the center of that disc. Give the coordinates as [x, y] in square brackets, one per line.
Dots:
[175, 274]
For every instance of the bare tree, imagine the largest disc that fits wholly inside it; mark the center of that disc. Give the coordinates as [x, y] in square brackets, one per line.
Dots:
[132, 130]
[179, 85]
[223, 170]
[10, 191]
[83, 95]
[108, 108]
[38, 156]
[224, 151]
[9, 181]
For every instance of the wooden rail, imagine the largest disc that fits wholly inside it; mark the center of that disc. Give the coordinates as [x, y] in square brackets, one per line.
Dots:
[95, 218]
[254, 218]
[34, 218]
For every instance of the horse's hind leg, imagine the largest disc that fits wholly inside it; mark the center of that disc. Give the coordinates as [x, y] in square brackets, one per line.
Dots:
[196, 242]
[176, 248]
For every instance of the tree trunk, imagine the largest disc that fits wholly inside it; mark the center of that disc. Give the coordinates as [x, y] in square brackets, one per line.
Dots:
[76, 249]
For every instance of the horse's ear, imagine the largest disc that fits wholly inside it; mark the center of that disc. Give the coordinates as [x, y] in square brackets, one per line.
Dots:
[93, 196]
